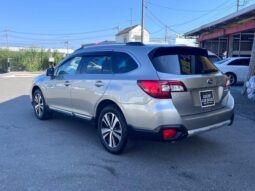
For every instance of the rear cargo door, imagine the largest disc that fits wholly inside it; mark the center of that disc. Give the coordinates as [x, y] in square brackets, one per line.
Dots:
[204, 83]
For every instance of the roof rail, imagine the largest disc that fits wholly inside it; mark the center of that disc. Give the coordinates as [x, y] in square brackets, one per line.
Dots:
[110, 43]
[135, 44]
[102, 43]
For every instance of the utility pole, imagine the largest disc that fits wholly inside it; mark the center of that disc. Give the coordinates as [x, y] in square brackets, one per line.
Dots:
[131, 17]
[67, 46]
[166, 33]
[142, 23]
[8, 69]
[237, 5]
[118, 28]
[7, 38]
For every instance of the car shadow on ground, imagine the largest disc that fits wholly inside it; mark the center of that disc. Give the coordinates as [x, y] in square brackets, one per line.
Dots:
[18, 114]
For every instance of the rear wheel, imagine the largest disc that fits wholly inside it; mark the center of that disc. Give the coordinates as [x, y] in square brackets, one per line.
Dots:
[232, 78]
[112, 129]
[40, 109]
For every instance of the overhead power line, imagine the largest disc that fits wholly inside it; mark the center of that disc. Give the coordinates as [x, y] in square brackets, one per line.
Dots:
[159, 21]
[178, 10]
[157, 31]
[57, 40]
[39, 43]
[241, 4]
[61, 34]
[216, 15]
[201, 16]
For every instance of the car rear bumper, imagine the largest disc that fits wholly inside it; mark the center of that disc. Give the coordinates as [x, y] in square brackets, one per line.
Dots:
[158, 113]
[209, 128]
[182, 131]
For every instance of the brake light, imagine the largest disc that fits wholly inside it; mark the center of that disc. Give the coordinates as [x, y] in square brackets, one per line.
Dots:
[161, 88]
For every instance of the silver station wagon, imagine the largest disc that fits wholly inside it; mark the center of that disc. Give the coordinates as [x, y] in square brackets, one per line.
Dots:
[163, 92]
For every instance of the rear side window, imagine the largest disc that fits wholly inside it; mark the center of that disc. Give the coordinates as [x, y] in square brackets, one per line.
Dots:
[223, 61]
[185, 61]
[123, 63]
[240, 62]
[96, 65]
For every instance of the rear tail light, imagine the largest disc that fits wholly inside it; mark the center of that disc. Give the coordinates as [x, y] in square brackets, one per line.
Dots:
[161, 88]
[168, 133]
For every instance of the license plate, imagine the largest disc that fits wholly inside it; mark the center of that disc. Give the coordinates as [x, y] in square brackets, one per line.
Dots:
[207, 98]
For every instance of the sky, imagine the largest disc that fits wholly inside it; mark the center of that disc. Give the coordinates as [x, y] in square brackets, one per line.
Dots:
[51, 23]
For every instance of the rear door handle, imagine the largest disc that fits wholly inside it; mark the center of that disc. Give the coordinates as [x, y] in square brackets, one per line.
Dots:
[99, 83]
[67, 83]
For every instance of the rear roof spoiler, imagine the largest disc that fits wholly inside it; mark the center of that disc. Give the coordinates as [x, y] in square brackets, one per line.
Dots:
[175, 50]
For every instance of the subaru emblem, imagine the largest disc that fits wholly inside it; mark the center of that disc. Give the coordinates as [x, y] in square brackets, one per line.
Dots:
[210, 81]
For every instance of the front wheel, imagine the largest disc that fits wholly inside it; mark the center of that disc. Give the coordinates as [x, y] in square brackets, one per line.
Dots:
[40, 109]
[112, 129]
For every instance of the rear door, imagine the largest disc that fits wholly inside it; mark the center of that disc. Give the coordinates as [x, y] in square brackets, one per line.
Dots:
[93, 78]
[204, 83]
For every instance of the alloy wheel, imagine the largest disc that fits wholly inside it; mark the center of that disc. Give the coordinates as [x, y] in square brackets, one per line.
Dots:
[111, 130]
[231, 79]
[38, 104]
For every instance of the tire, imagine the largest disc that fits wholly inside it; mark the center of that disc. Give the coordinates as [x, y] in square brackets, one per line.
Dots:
[112, 129]
[232, 78]
[40, 108]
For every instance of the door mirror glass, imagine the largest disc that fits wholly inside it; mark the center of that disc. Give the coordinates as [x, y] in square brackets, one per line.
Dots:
[50, 72]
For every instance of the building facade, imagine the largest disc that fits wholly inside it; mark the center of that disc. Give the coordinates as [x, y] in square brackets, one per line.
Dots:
[230, 36]
[132, 34]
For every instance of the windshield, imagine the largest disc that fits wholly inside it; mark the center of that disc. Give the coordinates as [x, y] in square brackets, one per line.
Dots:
[214, 58]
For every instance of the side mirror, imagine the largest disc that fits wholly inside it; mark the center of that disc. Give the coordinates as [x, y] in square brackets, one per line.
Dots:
[50, 72]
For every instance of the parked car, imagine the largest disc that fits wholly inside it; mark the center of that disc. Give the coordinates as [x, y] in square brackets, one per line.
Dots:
[213, 57]
[168, 93]
[235, 68]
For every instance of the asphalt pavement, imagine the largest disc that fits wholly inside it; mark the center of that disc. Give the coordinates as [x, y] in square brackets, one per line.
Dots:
[64, 153]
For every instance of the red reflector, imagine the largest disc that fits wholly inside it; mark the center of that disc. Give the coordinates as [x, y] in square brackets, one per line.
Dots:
[169, 133]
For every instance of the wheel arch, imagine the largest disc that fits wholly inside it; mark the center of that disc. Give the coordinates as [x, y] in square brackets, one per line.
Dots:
[102, 104]
[231, 72]
[234, 74]
[36, 87]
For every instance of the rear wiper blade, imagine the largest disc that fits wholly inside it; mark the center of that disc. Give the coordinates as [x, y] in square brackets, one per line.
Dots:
[209, 70]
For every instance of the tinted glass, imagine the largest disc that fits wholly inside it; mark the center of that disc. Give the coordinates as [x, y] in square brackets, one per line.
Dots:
[97, 65]
[214, 58]
[240, 62]
[69, 67]
[183, 64]
[223, 61]
[123, 63]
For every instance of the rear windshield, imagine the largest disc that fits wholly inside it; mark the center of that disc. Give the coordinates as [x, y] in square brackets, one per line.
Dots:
[214, 58]
[186, 61]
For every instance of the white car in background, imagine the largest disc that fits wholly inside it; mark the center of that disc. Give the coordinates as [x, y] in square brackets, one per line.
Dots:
[236, 68]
